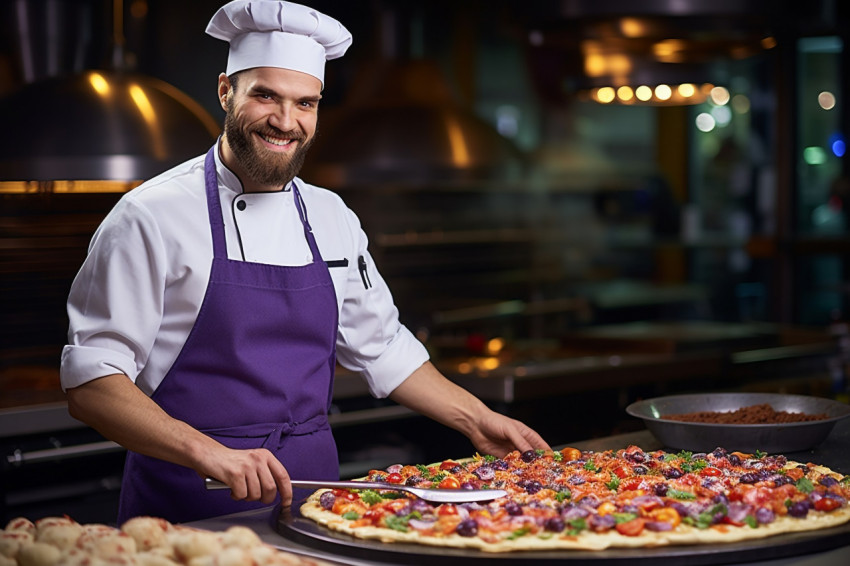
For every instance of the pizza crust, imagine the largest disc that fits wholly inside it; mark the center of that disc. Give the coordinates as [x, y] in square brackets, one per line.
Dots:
[683, 534]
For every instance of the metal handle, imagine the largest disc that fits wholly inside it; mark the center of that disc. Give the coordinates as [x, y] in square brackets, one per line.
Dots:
[18, 458]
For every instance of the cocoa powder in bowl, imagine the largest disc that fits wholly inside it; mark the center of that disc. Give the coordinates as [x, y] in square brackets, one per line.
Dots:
[754, 414]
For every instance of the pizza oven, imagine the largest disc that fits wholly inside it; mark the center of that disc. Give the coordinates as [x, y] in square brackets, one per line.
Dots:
[61, 171]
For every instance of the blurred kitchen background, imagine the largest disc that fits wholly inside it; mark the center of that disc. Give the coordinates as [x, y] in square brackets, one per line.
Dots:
[577, 204]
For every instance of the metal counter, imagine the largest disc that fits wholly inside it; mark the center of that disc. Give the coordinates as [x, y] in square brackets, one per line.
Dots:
[833, 452]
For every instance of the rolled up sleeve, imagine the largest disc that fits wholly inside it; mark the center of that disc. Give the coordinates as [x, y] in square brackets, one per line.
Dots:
[115, 302]
[371, 340]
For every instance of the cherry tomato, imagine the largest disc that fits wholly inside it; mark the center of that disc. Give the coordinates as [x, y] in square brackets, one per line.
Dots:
[345, 494]
[570, 454]
[710, 472]
[795, 473]
[631, 484]
[631, 528]
[373, 516]
[448, 465]
[666, 514]
[447, 509]
[827, 504]
[450, 483]
[394, 477]
[622, 470]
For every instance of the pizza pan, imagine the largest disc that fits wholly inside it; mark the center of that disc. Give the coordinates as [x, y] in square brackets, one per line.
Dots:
[771, 438]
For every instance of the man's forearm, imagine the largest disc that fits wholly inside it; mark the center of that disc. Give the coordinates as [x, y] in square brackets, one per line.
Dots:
[116, 408]
[429, 393]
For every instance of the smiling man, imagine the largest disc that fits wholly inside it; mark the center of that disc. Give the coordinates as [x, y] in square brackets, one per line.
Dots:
[210, 313]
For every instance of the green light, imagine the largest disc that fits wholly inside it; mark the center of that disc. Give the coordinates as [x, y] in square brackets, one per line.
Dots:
[814, 155]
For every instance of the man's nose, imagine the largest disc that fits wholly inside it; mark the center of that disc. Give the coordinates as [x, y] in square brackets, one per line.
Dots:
[282, 118]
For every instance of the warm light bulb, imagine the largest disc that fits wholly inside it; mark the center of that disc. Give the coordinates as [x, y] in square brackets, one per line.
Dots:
[643, 93]
[625, 93]
[686, 90]
[605, 94]
[719, 95]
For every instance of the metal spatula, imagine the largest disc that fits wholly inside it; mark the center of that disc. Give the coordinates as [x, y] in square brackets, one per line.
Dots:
[432, 495]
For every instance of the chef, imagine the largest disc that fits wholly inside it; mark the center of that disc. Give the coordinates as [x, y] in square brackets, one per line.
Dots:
[217, 298]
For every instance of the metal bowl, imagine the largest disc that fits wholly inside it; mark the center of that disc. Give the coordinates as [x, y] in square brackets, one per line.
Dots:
[704, 437]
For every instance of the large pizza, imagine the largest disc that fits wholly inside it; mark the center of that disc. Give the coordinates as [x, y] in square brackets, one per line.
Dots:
[570, 499]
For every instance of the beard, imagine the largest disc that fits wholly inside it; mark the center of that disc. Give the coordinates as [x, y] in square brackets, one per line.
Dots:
[262, 166]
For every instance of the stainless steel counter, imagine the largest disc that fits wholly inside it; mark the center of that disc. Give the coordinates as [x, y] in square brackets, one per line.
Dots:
[833, 452]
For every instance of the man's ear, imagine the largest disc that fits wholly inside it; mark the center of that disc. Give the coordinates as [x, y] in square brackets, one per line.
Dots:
[223, 90]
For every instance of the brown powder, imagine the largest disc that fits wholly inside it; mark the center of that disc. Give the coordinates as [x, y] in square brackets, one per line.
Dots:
[755, 414]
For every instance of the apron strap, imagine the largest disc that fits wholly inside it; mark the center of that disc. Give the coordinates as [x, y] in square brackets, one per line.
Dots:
[308, 230]
[214, 206]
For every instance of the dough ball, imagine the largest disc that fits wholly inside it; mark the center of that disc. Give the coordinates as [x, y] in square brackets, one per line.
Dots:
[189, 544]
[47, 522]
[148, 532]
[39, 554]
[241, 537]
[108, 543]
[154, 559]
[263, 554]
[62, 536]
[21, 524]
[78, 557]
[232, 556]
[7, 561]
[12, 541]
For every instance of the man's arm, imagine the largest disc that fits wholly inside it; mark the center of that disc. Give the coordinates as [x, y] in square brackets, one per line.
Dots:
[428, 392]
[120, 411]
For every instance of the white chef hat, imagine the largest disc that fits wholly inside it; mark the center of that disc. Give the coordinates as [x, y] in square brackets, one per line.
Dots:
[273, 33]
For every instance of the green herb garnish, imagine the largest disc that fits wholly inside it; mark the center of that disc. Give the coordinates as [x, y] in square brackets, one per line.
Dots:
[623, 517]
[805, 485]
[518, 533]
[370, 496]
[351, 516]
[679, 494]
[576, 526]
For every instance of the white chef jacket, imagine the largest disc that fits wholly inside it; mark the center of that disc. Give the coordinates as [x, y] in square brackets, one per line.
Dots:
[138, 293]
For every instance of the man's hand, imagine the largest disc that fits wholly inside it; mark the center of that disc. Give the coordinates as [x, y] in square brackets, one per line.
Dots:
[497, 434]
[252, 475]
[428, 392]
[116, 408]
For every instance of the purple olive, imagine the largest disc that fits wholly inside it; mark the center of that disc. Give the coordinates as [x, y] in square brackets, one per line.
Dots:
[467, 528]
[529, 456]
[327, 500]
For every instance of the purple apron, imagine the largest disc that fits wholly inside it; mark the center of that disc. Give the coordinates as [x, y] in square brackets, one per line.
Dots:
[256, 371]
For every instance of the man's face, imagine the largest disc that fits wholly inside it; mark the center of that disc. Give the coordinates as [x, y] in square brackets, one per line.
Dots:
[271, 122]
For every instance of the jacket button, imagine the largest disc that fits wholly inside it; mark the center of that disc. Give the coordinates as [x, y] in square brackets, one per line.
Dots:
[241, 205]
